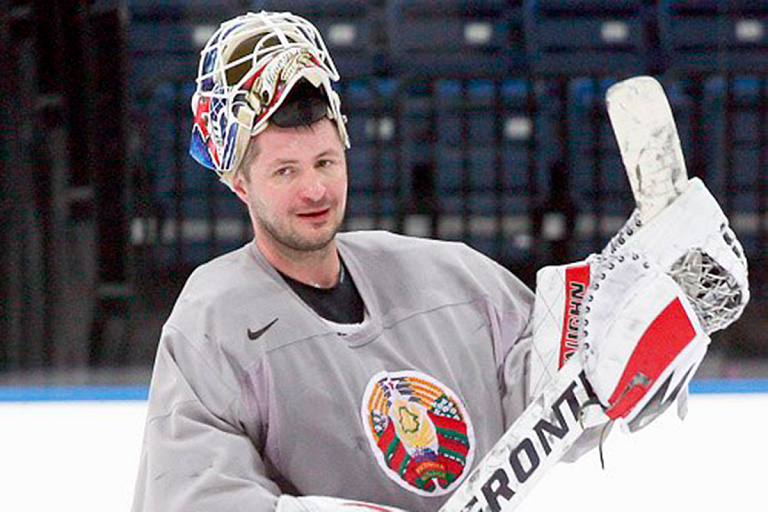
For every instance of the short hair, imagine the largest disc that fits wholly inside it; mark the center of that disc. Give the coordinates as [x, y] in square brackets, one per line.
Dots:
[304, 106]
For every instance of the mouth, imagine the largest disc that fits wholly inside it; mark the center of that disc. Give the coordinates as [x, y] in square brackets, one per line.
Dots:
[315, 215]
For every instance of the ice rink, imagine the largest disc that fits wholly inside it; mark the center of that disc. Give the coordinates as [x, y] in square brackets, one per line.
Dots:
[82, 455]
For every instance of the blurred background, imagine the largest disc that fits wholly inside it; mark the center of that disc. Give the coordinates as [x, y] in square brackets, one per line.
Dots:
[481, 121]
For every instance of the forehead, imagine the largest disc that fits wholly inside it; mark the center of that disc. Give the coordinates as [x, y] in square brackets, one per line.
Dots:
[302, 141]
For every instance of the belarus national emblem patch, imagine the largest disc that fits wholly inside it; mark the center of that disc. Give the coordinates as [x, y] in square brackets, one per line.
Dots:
[419, 431]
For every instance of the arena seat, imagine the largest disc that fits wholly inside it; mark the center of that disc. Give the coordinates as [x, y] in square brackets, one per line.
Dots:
[586, 37]
[164, 38]
[374, 184]
[458, 38]
[711, 36]
[182, 9]
[734, 110]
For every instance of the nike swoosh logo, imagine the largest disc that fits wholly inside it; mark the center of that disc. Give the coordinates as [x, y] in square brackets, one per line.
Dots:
[254, 335]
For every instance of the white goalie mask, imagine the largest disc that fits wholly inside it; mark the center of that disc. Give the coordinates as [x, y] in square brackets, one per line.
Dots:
[247, 69]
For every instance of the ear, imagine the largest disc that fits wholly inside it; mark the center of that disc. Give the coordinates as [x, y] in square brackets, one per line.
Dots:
[239, 188]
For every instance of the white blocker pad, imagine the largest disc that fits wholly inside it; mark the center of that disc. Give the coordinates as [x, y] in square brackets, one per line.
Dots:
[642, 340]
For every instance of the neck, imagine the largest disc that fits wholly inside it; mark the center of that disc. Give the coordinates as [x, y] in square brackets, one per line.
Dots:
[319, 268]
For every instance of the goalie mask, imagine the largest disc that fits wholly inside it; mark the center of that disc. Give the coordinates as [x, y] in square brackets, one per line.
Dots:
[247, 70]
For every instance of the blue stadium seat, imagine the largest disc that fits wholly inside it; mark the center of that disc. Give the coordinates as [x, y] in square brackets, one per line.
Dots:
[489, 145]
[734, 109]
[484, 133]
[372, 170]
[347, 26]
[597, 180]
[369, 206]
[489, 233]
[369, 105]
[459, 38]
[164, 38]
[474, 219]
[184, 37]
[586, 37]
[482, 171]
[215, 10]
[149, 71]
[158, 144]
[415, 139]
[163, 52]
[374, 183]
[740, 134]
[471, 100]
[711, 36]
[184, 193]
[484, 204]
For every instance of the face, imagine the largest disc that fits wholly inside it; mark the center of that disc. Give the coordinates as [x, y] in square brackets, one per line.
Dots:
[295, 187]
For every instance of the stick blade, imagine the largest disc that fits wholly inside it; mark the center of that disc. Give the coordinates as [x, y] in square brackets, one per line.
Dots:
[650, 147]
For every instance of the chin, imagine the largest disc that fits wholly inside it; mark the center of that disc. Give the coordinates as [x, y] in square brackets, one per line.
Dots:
[312, 242]
[310, 245]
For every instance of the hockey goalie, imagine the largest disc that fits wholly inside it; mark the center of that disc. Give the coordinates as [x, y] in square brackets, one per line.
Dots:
[319, 370]
[618, 336]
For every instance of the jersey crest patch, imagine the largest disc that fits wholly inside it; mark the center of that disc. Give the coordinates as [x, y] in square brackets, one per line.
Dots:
[419, 431]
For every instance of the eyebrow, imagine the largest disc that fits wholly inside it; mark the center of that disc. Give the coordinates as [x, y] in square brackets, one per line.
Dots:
[282, 161]
[327, 152]
[287, 161]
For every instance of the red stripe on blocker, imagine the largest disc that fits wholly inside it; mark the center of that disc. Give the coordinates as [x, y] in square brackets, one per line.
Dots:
[576, 283]
[661, 343]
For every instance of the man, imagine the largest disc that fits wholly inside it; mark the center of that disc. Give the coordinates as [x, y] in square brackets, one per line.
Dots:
[310, 364]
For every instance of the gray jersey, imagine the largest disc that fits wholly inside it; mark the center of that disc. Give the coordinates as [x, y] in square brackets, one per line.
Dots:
[254, 395]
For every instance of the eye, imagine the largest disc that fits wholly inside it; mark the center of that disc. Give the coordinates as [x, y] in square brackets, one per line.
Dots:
[282, 171]
[326, 163]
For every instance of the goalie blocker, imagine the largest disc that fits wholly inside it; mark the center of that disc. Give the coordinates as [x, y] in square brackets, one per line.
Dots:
[631, 326]
[641, 344]
[642, 339]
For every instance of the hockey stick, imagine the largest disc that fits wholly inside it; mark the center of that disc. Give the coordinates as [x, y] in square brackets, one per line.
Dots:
[647, 137]
[650, 148]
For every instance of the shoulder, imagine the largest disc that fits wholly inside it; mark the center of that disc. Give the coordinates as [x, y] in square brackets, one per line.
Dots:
[226, 299]
[222, 289]
[223, 275]
[430, 263]
[396, 245]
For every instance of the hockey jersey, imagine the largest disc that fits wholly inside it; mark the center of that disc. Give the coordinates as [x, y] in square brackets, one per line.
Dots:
[254, 395]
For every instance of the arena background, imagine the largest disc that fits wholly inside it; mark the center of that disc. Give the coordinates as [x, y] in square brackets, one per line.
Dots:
[480, 121]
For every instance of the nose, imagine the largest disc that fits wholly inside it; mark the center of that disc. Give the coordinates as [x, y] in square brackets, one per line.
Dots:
[313, 187]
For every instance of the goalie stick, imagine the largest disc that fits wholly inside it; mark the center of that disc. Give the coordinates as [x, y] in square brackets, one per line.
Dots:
[649, 144]
[650, 148]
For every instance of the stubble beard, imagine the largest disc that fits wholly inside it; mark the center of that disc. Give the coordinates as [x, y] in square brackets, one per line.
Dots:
[289, 238]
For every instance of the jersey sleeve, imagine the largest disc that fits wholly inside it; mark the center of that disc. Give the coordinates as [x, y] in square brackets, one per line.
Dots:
[514, 376]
[510, 308]
[196, 454]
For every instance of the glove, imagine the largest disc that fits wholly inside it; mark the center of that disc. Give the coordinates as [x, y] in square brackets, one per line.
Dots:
[692, 242]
